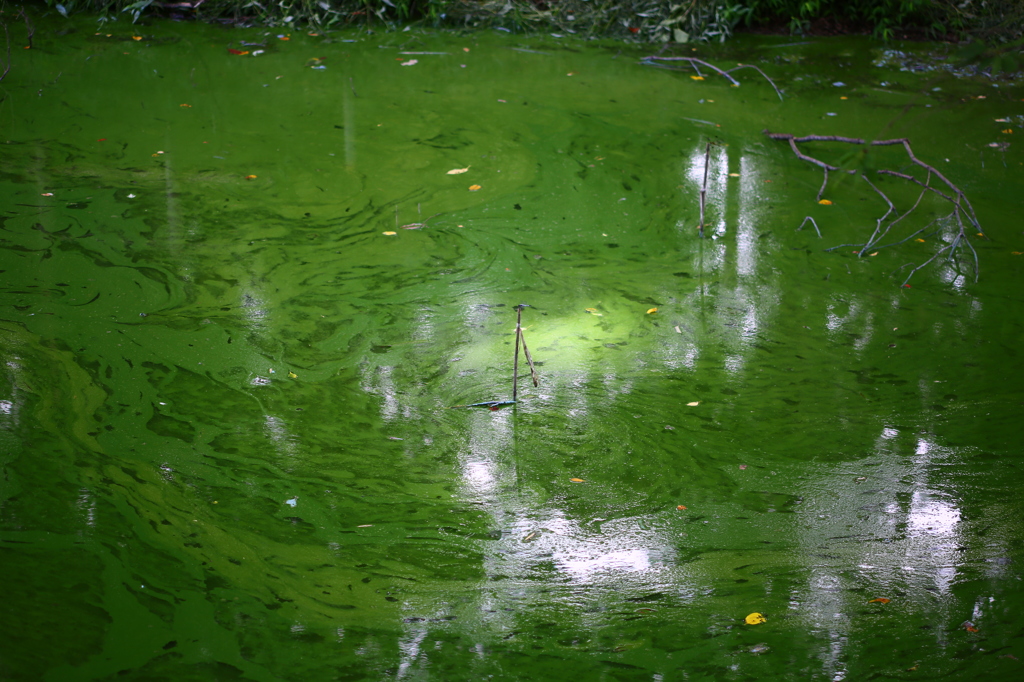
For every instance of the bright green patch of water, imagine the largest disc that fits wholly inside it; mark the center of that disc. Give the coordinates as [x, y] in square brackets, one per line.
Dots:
[227, 448]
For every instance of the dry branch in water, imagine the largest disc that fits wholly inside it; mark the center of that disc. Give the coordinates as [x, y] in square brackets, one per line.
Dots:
[962, 211]
[653, 60]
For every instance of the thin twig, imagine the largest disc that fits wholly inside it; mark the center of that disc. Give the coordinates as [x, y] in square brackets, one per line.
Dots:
[824, 181]
[878, 224]
[529, 360]
[751, 66]
[704, 186]
[515, 361]
[7, 67]
[812, 223]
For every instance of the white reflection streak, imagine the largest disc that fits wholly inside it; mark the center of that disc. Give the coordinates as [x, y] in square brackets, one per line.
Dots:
[277, 433]
[410, 651]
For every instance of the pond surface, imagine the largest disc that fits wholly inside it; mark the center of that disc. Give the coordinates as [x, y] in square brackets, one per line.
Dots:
[242, 292]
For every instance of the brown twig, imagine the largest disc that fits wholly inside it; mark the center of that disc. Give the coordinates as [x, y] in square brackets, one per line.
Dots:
[693, 61]
[962, 208]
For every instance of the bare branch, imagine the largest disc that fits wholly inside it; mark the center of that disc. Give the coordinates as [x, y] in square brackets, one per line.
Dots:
[962, 211]
[652, 60]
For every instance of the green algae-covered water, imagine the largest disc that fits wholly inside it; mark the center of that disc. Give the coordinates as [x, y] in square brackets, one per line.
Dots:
[241, 293]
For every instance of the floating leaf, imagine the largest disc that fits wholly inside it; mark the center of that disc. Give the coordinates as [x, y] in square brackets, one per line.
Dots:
[474, 188]
[695, 403]
[652, 310]
[457, 171]
[390, 234]
[879, 600]
[825, 202]
[755, 619]
[681, 507]
[576, 480]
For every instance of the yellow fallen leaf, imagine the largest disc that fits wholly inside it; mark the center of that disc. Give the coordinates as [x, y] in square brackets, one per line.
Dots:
[187, 106]
[1008, 131]
[591, 310]
[136, 37]
[473, 188]
[755, 619]
[734, 175]
[389, 233]
[697, 78]
[1015, 253]
[457, 171]
[576, 480]
[293, 375]
[873, 254]
[652, 310]
[681, 507]
[693, 404]
[981, 234]
[844, 98]
[825, 202]
[250, 177]
[880, 600]
[919, 240]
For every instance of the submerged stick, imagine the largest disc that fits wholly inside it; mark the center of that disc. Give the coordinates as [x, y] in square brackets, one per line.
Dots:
[515, 360]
